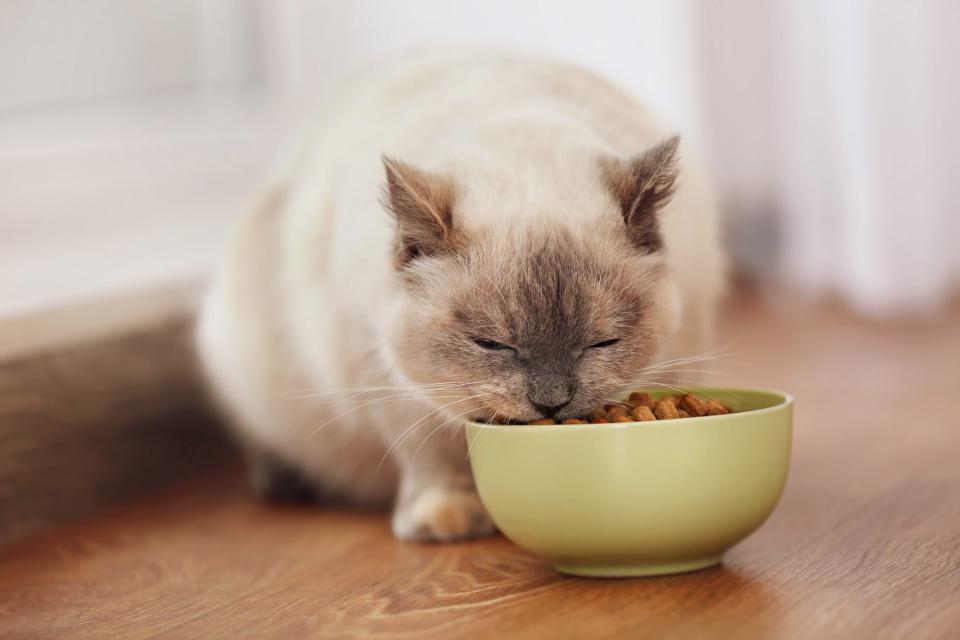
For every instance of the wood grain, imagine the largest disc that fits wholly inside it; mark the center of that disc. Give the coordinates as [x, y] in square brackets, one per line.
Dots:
[866, 543]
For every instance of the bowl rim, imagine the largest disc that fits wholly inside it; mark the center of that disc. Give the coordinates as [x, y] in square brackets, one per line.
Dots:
[786, 401]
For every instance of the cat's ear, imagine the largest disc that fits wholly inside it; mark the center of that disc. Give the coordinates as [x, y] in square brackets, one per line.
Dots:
[422, 204]
[641, 186]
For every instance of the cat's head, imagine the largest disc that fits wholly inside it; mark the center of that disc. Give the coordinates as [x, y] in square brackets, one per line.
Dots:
[536, 317]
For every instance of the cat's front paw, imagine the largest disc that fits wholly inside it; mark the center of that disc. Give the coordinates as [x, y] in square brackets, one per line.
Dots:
[442, 515]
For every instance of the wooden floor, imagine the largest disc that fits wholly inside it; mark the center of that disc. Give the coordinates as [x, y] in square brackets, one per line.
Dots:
[865, 544]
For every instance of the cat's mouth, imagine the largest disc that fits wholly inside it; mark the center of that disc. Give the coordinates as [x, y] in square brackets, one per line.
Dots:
[503, 409]
[493, 416]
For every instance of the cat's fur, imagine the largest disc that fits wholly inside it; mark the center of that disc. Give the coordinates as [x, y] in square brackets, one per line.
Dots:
[450, 198]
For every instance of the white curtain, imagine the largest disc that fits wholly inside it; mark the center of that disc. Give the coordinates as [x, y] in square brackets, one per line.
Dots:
[857, 103]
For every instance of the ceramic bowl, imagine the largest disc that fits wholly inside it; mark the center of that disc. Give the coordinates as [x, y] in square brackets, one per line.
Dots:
[638, 498]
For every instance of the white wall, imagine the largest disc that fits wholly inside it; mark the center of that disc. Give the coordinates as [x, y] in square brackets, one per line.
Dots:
[646, 45]
[56, 53]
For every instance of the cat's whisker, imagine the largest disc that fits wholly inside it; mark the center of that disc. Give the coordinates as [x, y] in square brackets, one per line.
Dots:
[472, 443]
[707, 355]
[396, 443]
[416, 390]
[405, 394]
[391, 386]
[350, 411]
[332, 390]
[695, 373]
[341, 415]
[671, 375]
[386, 454]
[397, 398]
[673, 365]
[400, 397]
[714, 354]
[670, 368]
[307, 393]
[407, 432]
[712, 372]
[658, 384]
[385, 402]
[440, 426]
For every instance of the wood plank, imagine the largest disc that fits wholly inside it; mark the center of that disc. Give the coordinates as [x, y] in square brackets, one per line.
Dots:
[865, 544]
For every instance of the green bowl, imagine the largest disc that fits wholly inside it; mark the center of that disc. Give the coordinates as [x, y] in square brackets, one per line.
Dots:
[637, 498]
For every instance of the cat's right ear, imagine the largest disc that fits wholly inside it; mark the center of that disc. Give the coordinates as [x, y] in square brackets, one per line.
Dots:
[642, 185]
[422, 204]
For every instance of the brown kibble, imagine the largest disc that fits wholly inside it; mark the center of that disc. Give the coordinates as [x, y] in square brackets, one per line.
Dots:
[642, 399]
[666, 409]
[616, 411]
[717, 408]
[642, 408]
[642, 413]
[693, 405]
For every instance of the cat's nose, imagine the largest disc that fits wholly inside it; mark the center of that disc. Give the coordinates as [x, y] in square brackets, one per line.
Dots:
[551, 410]
[549, 393]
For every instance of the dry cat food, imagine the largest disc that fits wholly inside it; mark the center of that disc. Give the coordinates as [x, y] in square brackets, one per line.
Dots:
[642, 407]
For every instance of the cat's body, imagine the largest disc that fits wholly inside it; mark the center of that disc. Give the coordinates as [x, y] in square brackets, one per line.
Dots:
[317, 294]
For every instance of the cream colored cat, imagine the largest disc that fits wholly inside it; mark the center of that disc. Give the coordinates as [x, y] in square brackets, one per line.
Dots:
[466, 234]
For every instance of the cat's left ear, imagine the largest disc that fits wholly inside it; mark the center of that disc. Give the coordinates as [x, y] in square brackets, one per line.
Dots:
[642, 185]
[422, 203]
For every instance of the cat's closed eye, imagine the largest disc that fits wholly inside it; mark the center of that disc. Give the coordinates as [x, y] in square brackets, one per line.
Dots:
[491, 345]
[604, 343]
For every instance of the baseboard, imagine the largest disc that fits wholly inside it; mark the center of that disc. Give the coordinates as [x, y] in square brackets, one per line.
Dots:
[86, 425]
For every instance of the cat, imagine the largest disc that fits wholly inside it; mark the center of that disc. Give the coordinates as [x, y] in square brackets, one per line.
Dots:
[464, 235]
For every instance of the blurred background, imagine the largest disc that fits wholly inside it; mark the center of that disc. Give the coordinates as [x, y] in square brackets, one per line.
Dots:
[132, 133]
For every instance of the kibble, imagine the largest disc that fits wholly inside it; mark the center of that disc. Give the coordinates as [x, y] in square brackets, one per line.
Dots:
[665, 409]
[715, 408]
[642, 399]
[692, 405]
[642, 407]
[617, 411]
[643, 413]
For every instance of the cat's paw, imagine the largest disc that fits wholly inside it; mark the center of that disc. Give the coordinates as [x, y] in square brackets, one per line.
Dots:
[442, 515]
